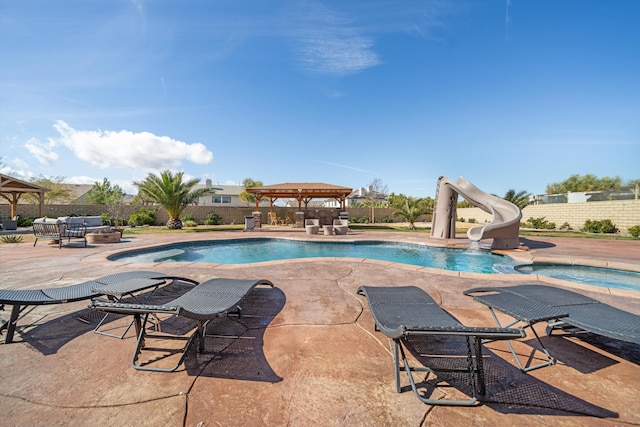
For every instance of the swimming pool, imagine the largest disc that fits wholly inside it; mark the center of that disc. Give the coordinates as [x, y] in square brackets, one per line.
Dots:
[246, 251]
[611, 278]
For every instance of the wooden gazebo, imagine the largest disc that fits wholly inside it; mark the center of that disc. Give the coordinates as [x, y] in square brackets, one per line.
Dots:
[12, 189]
[303, 192]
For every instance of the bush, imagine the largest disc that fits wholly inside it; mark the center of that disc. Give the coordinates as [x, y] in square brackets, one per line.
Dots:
[189, 223]
[143, 217]
[566, 226]
[213, 219]
[461, 219]
[189, 217]
[386, 220]
[602, 226]
[635, 231]
[541, 224]
[25, 221]
[472, 220]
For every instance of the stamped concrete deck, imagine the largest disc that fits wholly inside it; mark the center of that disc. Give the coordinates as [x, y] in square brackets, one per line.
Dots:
[308, 355]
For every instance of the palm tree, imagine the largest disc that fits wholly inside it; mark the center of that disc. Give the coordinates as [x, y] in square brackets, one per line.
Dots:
[171, 193]
[410, 211]
[520, 199]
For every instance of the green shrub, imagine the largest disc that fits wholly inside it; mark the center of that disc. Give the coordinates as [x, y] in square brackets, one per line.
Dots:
[188, 217]
[541, 224]
[213, 219]
[635, 231]
[25, 221]
[386, 220]
[12, 238]
[601, 226]
[461, 219]
[189, 223]
[566, 226]
[472, 220]
[143, 217]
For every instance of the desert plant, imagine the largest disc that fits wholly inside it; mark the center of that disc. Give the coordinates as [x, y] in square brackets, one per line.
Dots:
[189, 223]
[12, 238]
[189, 217]
[566, 226]
[600, 226]
[635, 231]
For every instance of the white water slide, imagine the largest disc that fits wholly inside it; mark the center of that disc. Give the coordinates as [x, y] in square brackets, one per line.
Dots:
[503, 229]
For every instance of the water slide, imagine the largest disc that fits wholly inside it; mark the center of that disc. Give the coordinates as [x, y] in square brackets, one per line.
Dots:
[503, 229]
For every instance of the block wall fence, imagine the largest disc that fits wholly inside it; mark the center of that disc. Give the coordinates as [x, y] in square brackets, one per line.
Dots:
[623, 213]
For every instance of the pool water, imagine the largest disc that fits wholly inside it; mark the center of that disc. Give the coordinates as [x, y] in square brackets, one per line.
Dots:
[610, 278]
[245, 251]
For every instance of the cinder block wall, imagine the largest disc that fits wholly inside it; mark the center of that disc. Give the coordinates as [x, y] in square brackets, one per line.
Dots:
[623, 213]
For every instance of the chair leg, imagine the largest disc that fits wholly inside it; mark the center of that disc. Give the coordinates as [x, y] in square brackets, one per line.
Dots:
[525, 368]
[442, 402]
[10, 324]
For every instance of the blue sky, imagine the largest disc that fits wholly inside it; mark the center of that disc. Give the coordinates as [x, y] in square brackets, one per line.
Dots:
[509, 94]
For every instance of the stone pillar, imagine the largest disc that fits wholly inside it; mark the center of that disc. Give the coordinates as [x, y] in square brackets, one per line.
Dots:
[257, 220]
[299, 220]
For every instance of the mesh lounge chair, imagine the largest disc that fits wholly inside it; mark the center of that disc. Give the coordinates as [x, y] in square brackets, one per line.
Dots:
[205, 302]
[20, 299]
[559, 307]
[399, 312]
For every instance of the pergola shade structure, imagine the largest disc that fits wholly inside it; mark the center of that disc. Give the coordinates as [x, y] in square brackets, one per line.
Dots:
[12, 189]
[303, 192]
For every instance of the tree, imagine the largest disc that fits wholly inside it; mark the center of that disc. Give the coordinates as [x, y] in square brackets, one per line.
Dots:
[247, 197]
[376, 196]
[105, 193]
[588, 182]
[520, 199]
[171, 193]
[59, 192]
[410, 211]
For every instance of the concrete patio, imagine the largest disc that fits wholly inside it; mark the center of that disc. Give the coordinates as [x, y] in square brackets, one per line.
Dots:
[307, 352]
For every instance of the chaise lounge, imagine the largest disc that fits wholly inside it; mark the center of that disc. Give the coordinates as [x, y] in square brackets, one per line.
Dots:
[205, 302]
[401, 312]
[20, 299]
[531, 304]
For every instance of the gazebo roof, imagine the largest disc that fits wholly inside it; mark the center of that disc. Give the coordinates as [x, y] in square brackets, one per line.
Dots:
[301, 191]
[304, 190]
[12, 188]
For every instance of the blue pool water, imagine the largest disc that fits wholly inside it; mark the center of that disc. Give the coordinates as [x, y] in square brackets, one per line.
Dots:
[245, 251]
[610, 278]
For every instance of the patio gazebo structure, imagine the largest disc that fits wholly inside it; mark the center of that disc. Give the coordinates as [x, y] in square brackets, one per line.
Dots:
[303, 192]
[12, 189]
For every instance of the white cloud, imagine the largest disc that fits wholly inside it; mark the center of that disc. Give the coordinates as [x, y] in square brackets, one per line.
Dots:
[328, 44]
[126, 149]
[42, 151]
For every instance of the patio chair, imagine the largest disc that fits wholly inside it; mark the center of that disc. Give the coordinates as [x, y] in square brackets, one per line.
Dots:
[205, 302]
[312, 226]
[404, 311]
[559, 308]
[20, 299]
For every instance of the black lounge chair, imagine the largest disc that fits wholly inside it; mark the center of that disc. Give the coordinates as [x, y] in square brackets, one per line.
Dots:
[400, 312]
[205, 302]
[558, 307]
[20, 299]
